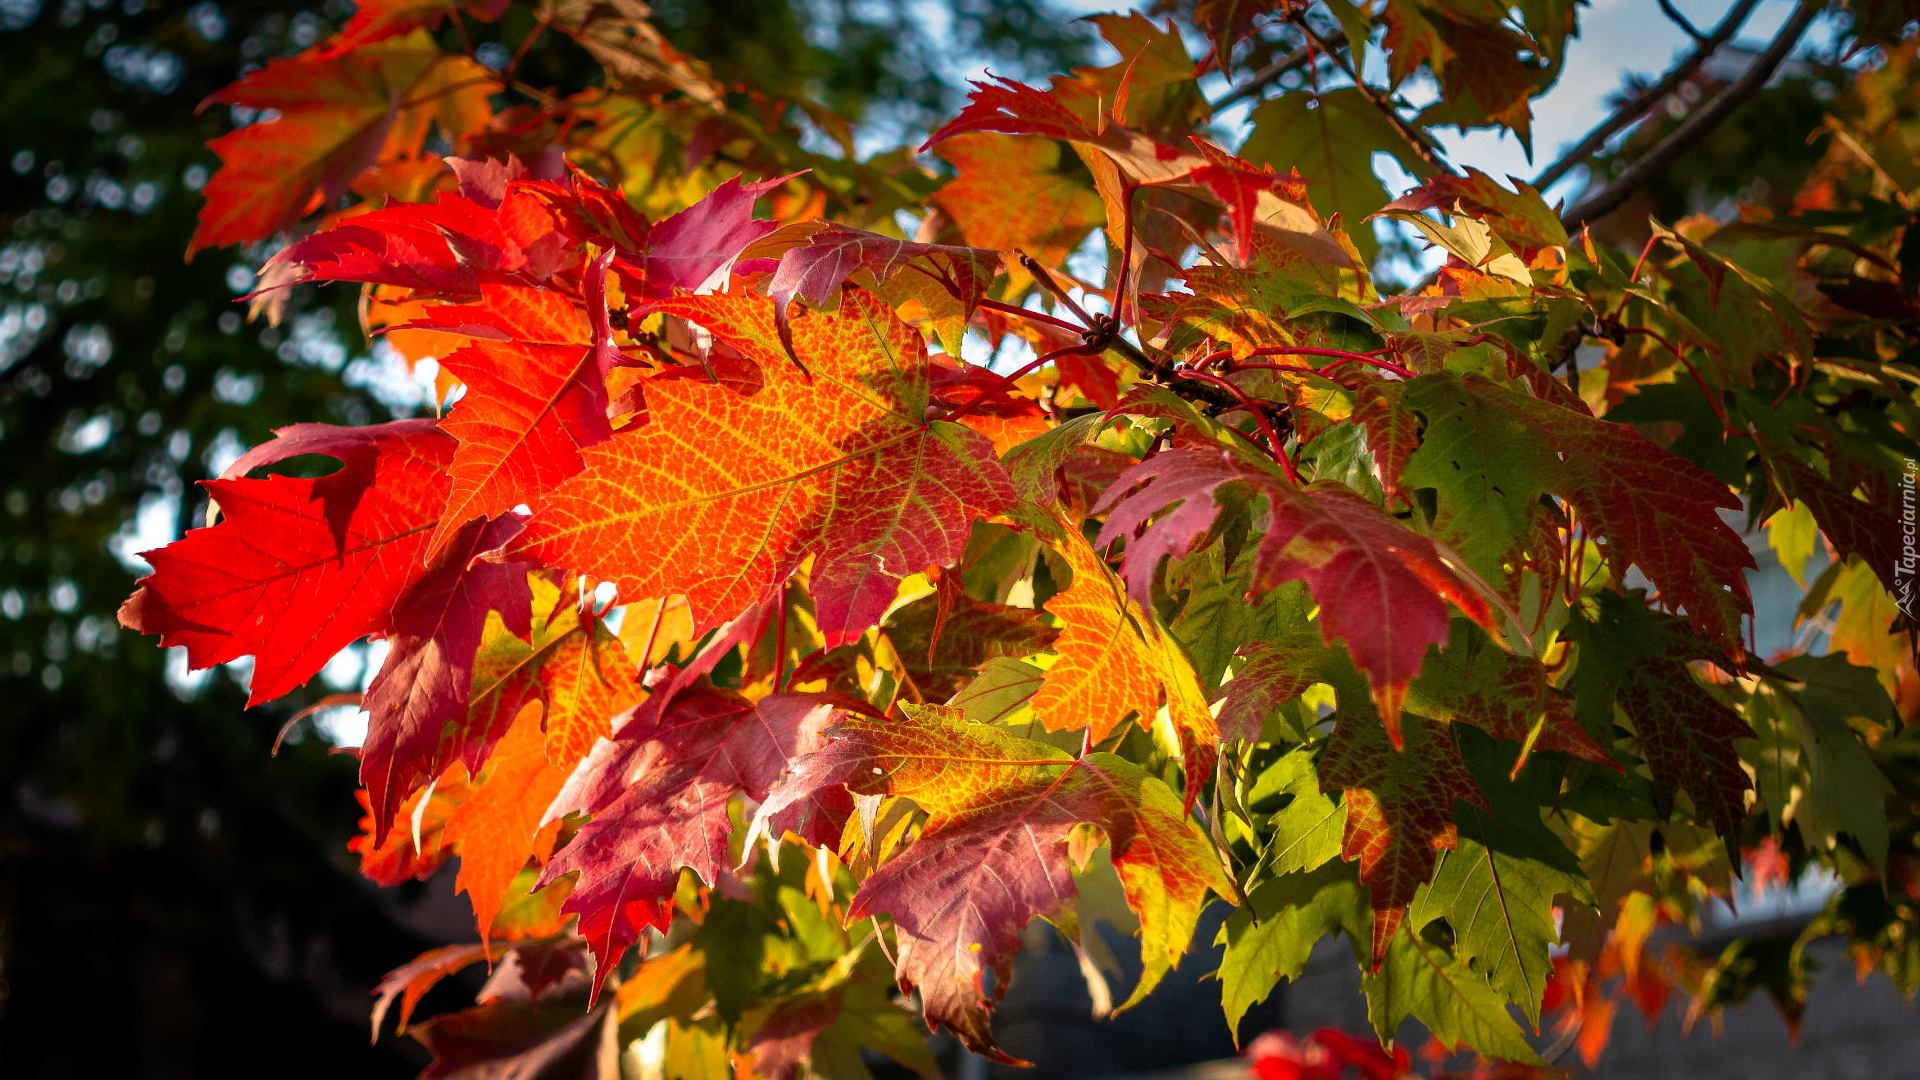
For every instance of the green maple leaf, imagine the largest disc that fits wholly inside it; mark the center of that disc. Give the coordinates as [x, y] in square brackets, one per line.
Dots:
[1492, 452]
[1497, 889]
[1307, 830]
[1331, 138]
[1271, 937]
[1814, 770]
[1420, 979]
[1637, 659]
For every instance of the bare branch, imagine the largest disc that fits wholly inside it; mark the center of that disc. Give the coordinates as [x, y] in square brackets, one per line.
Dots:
[1673, 13]
[1697, 126]
[1630, 113]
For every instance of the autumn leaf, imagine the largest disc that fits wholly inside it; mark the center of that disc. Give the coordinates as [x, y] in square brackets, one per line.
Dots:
[1520, 217]
[941, 649]
[535, 399]
[1258, 304]
[829, 256]
[1015, 194]
[1274, 671]
[422, 688]
[519, 1037]
[415, 851]
[298, 569]
[688, 250]
[782, 1041]
[449, 246]
[658, 793]
[721, 496]
[334, 117]
[378, 20]
[993, 853]
[498, 827]
[1229, 22]
[1123, 158]
[568, 661]
[1498, 889]
[1489, 450]
[1116, 661]
[1399, 805]
[1381, 587]
[410, 981]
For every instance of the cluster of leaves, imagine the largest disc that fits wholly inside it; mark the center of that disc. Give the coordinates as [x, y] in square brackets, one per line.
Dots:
[737, 620]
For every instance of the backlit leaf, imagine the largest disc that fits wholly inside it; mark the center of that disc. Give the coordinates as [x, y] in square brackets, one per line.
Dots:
[721, 496]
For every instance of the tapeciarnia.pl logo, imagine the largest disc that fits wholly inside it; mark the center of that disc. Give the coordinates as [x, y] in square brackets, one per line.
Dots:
[1905, 566]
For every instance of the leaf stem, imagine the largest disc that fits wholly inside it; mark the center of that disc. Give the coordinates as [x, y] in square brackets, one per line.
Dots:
[1006, 382]
[1341, 356]
[1275, 446]
[1029, 313]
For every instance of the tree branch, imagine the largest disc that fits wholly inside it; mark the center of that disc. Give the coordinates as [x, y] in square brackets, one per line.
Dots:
[1630, 113]
[1697, 126]
[1270, 74]
[1671, 12]
[1421, 143]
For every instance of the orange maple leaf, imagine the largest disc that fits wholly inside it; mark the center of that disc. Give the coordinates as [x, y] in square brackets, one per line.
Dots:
[721, 495]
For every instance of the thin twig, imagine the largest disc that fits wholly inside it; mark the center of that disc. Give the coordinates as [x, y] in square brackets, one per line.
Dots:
[1671, 12]
[1040, 274]
[1630, 113]
[1341, 356]
[1422, 145]
[1103, 333]
[1697, 126]
[1267, 76]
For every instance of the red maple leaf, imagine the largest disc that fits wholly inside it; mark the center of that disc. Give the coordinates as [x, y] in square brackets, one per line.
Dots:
[658, 793]
[298, 569]
[687, 251]
[993, 853]
[378, 20]
[534, 400]
[415, 852]
[832, 254]
[1381, 587]
[332, 118]
[1399, 805]
[448, 246]
[422, 687]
